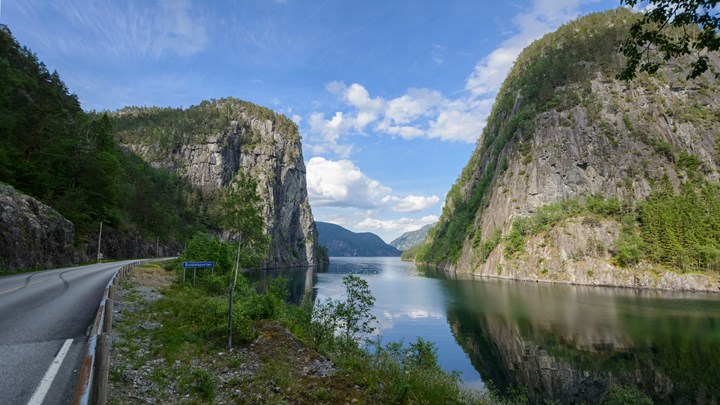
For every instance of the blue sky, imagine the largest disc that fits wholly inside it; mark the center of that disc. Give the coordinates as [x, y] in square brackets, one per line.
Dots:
[390, 95]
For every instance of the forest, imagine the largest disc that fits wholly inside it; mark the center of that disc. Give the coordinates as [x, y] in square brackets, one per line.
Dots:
[67, 158]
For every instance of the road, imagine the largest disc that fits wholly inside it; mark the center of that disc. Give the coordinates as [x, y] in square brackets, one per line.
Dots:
[43, 315]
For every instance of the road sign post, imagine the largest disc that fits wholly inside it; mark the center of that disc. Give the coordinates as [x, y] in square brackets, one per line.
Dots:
[197, 265]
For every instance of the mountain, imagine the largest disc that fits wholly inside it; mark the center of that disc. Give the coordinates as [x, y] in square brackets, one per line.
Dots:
[153, 177]
[581, 178]
[411, 239]
[342, 242]
[209, 144]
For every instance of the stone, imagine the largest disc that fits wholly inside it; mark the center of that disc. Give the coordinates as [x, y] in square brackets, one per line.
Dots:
[32, 234]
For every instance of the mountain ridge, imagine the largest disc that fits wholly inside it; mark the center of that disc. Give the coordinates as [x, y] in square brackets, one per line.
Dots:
[343, 242]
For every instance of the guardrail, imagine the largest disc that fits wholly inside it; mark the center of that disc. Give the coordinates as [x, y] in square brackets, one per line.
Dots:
[91, 386]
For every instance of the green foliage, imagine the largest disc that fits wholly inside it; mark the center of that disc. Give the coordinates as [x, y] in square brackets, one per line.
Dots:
[204, 247]
[688, 162]
[240, 212]
[345, 322]
[68, 159]
[683, 229]
[621, 395]
[550, 74]
[680, 230]
[549, 215]
[673, 28]
[393, 373]
[170, 128]
[199, 382]
[628, 249]
[486, 247]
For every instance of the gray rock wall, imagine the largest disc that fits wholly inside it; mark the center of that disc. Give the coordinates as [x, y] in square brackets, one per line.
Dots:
[32, 234]
[579, 152]
[270, 156]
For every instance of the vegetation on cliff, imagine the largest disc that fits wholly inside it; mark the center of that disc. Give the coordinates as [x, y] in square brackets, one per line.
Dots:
[564, 84]
[170, 128]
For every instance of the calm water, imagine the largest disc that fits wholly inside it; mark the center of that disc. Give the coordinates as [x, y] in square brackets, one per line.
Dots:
[566, 343]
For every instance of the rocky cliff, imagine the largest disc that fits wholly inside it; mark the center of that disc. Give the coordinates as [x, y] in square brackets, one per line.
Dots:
[33, 235]
[210, 143]
[563, 130]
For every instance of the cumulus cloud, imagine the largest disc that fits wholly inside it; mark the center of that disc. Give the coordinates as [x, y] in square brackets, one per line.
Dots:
[415, 114]
[426, 113]
[397, 225]
[342, 184]
[411, 203]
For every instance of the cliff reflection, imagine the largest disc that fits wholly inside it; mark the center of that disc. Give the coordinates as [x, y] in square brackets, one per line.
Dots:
[570, 343]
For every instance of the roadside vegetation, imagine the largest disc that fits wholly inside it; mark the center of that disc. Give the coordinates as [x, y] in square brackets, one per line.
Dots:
[328, 355]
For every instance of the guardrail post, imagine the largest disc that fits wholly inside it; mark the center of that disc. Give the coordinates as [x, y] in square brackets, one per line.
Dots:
[107, 325]
[112, 292]
[102, 357]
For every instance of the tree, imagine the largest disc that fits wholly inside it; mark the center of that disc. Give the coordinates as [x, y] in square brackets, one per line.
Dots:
[673, 28]
[240, 212]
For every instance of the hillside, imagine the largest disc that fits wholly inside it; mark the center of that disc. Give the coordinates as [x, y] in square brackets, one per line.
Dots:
[581, 178]
[342, 242]
[153, 176]
[411, 239]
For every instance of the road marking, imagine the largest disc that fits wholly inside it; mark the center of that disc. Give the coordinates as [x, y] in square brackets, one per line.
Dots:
[20, 287]
[50, 374]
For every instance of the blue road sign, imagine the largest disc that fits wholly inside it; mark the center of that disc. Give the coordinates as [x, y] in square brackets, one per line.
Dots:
[198, 265]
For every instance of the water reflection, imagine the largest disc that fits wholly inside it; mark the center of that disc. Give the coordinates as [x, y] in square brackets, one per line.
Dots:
[564, 343]
[570, 343]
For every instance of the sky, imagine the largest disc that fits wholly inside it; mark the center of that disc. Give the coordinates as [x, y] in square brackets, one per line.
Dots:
[390, 96]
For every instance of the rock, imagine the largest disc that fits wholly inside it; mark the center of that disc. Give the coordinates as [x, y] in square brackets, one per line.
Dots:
[265, 149]
[32, 234]
[617, 140]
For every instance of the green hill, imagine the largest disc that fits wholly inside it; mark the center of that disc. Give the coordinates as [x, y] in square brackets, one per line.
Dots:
[342, 242]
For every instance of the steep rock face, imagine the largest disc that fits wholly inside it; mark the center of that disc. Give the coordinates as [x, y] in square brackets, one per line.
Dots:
[33, 235]
[263, 145]
[564, 128]
[411, 239]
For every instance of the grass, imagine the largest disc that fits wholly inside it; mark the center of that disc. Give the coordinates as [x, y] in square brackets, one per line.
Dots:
[185, 358]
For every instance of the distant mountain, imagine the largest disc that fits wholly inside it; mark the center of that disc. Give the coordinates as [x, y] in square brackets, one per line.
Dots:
[411, 239]
[342, 242]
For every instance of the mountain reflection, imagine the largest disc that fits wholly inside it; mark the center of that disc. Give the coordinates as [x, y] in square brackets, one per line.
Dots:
[571, 343]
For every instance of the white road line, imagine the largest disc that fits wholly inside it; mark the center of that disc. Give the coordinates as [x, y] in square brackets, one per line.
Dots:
[50, 374]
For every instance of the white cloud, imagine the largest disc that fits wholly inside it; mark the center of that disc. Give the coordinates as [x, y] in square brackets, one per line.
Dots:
[411, 203]
[417, 113]
[426, 113]
[342, 184]
[397, 225]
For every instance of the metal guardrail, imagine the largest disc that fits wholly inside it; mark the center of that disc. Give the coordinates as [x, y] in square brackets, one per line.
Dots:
[92, 382]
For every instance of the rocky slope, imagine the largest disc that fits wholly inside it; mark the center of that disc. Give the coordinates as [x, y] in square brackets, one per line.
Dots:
[342, 242]
[33, 235]
[210, 143]
[411, 239]
[563, 129]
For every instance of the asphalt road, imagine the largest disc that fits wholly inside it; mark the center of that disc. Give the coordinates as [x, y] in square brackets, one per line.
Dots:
[44, 314]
